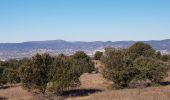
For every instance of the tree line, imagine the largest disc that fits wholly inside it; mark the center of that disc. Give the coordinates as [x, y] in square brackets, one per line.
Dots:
[126, 68]
[47, 73]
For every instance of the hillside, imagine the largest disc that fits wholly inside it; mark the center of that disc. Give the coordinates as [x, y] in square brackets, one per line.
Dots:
[27, 49]
[93, 88]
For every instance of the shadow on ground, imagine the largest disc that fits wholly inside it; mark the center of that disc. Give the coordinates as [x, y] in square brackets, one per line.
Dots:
[164, 83]
[6, 87]
[3, 98]
[79, 92]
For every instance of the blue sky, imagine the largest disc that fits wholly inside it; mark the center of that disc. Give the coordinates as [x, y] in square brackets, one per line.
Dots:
[84, 20]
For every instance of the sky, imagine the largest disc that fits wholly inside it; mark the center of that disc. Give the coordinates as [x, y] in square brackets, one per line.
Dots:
[84, 20]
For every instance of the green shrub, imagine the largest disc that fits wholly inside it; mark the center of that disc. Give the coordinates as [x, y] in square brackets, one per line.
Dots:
[98, 55]
[1, 71]
[54, 74]
[10, 64]
[150, 69]
[118, 68]
[140, 49]
[10, 76]
[137, 63]
[165, 58]
[34, 73]
[63, 75]
[82, 62]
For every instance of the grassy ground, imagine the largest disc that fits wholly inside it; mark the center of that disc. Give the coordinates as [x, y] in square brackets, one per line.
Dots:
[96, 81]
[94, 87]
[153, 93]
[15, 93]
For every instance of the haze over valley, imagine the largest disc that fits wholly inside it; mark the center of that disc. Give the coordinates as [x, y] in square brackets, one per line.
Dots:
[55, 47]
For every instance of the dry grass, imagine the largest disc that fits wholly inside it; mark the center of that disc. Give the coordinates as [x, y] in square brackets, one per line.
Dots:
[93, 81]
[94, 87]
[19, 93]
[98, 65]
[153, 93]
[16, 93]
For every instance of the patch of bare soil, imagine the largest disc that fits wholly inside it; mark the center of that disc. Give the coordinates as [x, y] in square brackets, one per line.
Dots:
[96, 81]
[93, 87]
[16, 92]
[90, 84]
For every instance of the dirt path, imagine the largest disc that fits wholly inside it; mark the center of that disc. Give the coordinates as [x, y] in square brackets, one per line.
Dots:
[93, 81]
[90, 84]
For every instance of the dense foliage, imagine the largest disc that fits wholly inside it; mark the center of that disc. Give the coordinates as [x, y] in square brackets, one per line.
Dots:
[136, 63]
[46, 73]
[82, 62]
[63, 74]
[54, 74]
[149, 68]
[9, 71]
[98, 55]
[34, 73]
[140, 49]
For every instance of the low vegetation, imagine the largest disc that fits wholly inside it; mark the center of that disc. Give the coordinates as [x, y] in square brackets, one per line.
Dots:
[136, 66]
[54, 74]
[98, 55]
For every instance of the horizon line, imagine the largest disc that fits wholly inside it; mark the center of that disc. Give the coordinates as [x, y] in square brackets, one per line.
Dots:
[82, 41]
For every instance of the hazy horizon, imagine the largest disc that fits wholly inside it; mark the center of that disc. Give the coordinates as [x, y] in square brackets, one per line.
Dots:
[85, 20]
[84, 41]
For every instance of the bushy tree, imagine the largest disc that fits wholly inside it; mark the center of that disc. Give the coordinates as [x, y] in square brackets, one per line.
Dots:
[150, 69]
[9, 72]
[83, 62]
[34, 73]
[1, 71]
[118, 68]
[63, 74]
[10, 76]
[98, 55]
[140, 49]
[165, 58]
[54, 74]
[137, 63]
[11, 64]
[158, 55]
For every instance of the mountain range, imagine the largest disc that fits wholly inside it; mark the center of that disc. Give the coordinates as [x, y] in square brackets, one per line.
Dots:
[54, 47]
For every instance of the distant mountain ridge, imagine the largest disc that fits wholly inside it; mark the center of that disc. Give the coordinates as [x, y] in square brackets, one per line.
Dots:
[27, 49]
